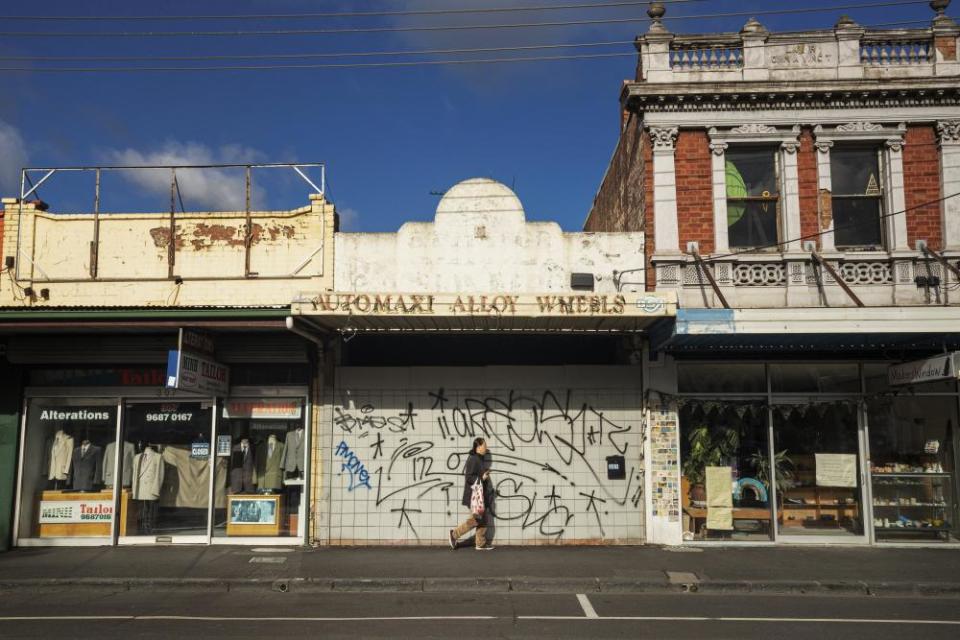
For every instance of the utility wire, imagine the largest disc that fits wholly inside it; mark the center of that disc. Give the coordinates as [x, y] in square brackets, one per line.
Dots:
[344, 65]
[811, 236]
[471, 27]
[340, 14]
[360, 54]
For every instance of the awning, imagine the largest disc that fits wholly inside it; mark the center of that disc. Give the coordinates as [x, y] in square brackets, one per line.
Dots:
[485, 312]
[876, 330]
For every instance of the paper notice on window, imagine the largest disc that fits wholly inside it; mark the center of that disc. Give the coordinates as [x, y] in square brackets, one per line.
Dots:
[719, 498]
[836, 469]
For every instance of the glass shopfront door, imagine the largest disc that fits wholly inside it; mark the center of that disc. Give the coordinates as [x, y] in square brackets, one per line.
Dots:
[165, 469]
[818, 452]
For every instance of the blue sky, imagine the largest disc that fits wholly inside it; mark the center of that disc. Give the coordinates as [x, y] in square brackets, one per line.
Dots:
[389, 137]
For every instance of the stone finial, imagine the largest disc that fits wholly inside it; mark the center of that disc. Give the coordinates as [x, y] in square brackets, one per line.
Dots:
[941, 19]
[845, 22]
[656, 13]
[753, 26]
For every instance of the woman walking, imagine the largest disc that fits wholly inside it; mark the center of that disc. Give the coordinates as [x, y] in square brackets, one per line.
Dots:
[476, 470]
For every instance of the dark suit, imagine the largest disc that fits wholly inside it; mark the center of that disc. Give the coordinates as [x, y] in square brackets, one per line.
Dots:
[242, 468]
[86, 469]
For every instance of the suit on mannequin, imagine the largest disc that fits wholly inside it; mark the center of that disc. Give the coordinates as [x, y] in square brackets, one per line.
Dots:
[60, 456]
[242, 468]
[86, 466]
[147, 475]
[293, 451]
[270, 464]
[126, 464]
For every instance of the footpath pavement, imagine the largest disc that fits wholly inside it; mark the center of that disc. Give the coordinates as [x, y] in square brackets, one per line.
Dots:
[646, 569]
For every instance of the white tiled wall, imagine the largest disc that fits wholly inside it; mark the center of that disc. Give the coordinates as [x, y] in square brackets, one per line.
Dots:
[406, 431]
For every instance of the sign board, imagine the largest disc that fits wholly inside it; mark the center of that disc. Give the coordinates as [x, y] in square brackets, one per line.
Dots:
[589, 305]
[191, 372]
[836, 469]
[263, 409]
[223, 446]
[75, 511]
[942, 367]
[199, 450]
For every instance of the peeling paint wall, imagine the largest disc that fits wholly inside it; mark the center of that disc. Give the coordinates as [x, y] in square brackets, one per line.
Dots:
[133, 256]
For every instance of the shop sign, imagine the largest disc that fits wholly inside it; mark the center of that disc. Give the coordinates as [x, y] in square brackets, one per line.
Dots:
[74, 414]
[522, 304]
[200, 450]
[265, 409]
[122, 376]
[191, 372]
[75, 511]
[942, 367]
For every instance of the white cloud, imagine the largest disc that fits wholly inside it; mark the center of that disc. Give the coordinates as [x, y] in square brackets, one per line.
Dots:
[349, 219]
[13, 157]
[220, 189]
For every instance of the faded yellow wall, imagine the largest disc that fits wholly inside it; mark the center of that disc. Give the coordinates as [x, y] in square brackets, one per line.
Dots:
[133, 264]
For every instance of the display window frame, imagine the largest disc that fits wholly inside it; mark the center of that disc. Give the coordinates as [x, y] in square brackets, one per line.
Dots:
[119, 398]
[786, 398]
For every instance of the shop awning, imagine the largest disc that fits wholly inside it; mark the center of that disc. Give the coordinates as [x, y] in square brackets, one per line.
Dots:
[715, 332]
[485, 312]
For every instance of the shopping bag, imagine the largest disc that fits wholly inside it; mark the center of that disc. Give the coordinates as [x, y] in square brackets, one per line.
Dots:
[476, 500]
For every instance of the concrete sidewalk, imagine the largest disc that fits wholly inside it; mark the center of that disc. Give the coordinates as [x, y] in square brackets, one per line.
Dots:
[814, 570]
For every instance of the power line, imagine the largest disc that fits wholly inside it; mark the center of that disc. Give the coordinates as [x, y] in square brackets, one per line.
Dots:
[345, 65]
[360, 54]
[397, 29]
[811, 236]
[339, 14]
[343, 54]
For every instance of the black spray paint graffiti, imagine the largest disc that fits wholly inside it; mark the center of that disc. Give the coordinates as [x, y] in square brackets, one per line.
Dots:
[538, 495]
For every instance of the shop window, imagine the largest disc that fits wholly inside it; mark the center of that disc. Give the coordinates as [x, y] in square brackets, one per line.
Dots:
[167, 448]
[815, 378]
[68, 471]
[721, 378]
[857, 198]
[819, 443]
[262, 441]
[913, 448]
[725, 485]
[753, 196]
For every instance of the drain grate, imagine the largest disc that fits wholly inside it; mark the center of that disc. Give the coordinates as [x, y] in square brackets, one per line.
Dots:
[267, 560]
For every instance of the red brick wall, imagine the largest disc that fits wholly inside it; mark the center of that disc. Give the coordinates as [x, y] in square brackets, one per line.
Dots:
[618, 205]
[921, 180]
[808, 185]
[694, 190]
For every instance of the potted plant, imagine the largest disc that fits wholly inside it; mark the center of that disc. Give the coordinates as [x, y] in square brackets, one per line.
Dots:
[709, 447]
[782, 466]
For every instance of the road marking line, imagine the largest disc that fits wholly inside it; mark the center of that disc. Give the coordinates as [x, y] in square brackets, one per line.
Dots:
[588, 609]
[241, 618]
[730, 619]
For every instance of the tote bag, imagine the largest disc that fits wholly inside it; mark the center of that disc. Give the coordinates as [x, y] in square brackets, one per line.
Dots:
[476, 499]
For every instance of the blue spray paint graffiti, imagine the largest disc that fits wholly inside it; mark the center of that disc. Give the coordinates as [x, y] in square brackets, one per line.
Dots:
[359, 476]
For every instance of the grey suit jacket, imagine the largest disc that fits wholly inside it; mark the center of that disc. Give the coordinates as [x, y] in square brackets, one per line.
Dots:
[126, 464]
[293, 451]
[270, 467]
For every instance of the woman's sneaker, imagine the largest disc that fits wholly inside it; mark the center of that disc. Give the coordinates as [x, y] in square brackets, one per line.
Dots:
[486, 547]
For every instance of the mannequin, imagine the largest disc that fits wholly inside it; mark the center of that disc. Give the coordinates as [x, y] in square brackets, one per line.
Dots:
[270, 464]
[61, 455]
[86, 470]
[293, 453]
[147, 483]
[243, 468]
[126, 464]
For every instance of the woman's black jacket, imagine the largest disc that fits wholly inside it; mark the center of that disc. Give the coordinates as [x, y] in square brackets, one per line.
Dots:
[476, 465]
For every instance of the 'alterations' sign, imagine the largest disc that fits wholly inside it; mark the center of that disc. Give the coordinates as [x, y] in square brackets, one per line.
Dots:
[942, 367]
[520, 305]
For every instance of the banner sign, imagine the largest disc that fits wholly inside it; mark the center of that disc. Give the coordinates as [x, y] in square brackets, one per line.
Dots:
[75, 511]
[263, 409]
[942, 367]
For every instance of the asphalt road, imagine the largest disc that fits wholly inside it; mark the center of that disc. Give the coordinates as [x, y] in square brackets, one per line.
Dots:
[181, 614]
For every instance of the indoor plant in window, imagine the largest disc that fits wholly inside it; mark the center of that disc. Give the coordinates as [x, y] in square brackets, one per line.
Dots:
[709, 447]
[783, 467]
